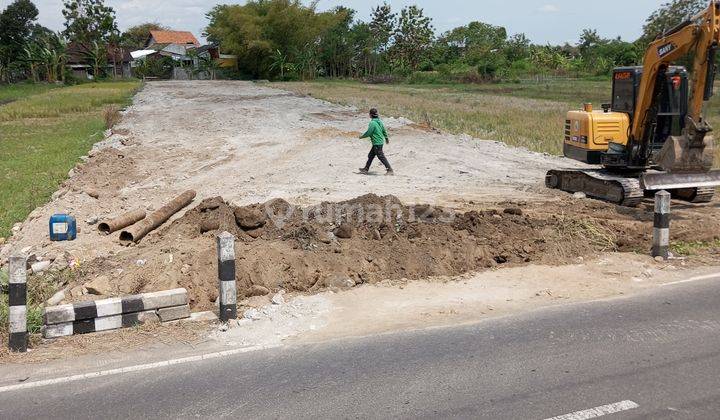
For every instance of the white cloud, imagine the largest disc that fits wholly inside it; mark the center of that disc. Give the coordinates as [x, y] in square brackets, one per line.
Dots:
[549, 8]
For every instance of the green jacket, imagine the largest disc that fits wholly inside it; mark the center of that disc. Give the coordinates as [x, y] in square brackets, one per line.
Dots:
[376, 132]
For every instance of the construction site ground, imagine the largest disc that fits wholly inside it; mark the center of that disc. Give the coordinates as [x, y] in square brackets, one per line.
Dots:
[465, 230]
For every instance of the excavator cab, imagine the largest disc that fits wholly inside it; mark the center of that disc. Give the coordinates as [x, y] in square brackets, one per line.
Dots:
[601, 136]
[672, 105]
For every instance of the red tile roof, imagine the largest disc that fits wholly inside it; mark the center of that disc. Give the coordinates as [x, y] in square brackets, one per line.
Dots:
[174, 37]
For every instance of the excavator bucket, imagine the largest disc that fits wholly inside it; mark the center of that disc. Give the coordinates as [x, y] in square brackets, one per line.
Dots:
[676, 181]
[692, 152]
[687, 161]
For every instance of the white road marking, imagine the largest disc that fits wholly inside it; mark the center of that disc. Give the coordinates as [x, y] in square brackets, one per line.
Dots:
[699, 278]
[600, 411]
[135, 368]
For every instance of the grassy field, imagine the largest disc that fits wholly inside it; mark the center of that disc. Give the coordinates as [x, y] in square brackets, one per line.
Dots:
[524, 115]
[10, 93]
[43, 132]
[42, 136]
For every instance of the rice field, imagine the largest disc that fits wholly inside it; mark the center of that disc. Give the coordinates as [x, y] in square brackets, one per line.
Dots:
[10, 93]
[42, 136]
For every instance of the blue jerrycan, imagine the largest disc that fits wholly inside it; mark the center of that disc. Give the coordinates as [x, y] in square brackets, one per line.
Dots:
[63, 227]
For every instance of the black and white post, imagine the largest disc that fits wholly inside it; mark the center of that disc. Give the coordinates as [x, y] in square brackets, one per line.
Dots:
[661, 231]
[17, 302]
[226, 275]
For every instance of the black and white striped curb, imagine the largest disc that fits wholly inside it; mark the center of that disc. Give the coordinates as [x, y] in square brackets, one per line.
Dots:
[661, 225]
[114, 313]
[226, 276]
[17, 304]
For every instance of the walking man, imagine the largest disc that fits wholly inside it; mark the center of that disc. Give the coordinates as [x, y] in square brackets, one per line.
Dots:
[378, 135]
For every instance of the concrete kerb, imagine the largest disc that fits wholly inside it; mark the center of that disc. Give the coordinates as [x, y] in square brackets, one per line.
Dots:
[115, 313]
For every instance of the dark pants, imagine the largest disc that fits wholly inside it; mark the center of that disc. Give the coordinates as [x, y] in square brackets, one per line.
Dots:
[377, 150]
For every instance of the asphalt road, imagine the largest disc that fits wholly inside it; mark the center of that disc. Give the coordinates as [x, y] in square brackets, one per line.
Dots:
[660, 350]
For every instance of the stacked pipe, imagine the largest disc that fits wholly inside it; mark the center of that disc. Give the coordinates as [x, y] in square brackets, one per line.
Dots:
[121, 222]
[115, 313]
[138, 231]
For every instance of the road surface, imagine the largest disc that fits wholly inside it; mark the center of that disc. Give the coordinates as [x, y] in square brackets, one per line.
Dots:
[655, 355]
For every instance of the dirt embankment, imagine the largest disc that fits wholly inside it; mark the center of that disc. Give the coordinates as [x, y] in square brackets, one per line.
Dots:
[370, 239]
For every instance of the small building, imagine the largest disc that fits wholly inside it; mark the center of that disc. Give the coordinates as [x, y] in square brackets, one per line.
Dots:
[183, 38]
[114, 61]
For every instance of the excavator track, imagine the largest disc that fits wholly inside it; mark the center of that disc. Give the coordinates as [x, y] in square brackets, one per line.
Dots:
[622, 190]
[695, 195]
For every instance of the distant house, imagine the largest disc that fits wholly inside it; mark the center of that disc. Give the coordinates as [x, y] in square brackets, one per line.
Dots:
[186, 52]
[114, 62]
[183, 38]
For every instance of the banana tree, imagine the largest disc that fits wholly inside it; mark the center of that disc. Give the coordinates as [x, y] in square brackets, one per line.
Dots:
[209, 65]
[280, 62]
[33, 56]
[97, 56]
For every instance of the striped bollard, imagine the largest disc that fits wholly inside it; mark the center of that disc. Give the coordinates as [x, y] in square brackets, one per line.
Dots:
[226, 275]
[17, 302]
[661, 231]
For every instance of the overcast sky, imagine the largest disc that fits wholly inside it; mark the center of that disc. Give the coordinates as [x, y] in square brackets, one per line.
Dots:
[543, 21]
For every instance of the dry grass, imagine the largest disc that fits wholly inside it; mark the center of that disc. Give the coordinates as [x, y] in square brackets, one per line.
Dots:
[523, 115]
[112, 116]
[70, 100]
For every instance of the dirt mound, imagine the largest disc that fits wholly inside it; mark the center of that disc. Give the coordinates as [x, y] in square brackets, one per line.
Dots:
[363, 240]
[105, 174]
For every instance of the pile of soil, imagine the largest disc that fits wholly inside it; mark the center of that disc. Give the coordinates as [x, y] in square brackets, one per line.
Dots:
[364, 240]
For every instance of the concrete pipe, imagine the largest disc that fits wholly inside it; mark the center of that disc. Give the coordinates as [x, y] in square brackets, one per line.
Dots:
[121, 222]
[138, 231]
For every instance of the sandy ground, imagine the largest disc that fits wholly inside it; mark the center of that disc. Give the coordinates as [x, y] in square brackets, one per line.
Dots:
[249, 144]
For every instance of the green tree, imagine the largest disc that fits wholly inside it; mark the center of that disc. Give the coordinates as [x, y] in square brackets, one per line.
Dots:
[88, 21]
[413, 38]
[517, 48]
[382, 26]
[669, 15]
[136, 36]
[335, 44]
[16, 25]
[258, 29]
[364, 59]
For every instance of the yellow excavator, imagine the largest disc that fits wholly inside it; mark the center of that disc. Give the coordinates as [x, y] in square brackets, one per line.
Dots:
[652, 136]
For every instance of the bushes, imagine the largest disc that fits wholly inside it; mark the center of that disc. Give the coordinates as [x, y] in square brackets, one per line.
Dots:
[161, 67]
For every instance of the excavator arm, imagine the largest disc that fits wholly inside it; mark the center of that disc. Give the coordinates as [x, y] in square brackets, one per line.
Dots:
[699, 35]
